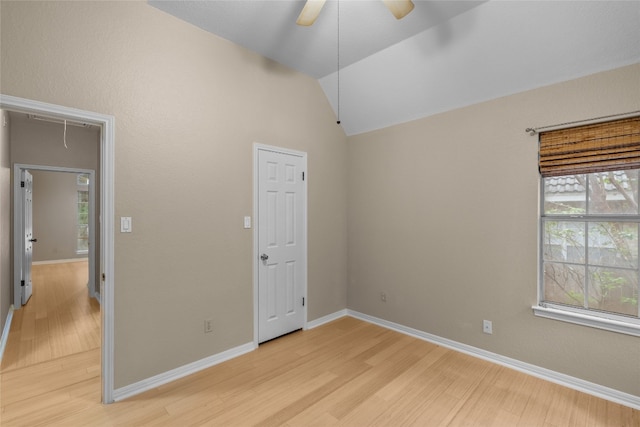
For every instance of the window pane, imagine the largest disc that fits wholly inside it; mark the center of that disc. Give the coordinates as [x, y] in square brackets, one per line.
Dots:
[564, 283]
[613, 192]
[564, 241]
[565, 195]
[83, 179]
[614, 290]
[613, 244]
[83, 237]
[83, 245]
[83, 218]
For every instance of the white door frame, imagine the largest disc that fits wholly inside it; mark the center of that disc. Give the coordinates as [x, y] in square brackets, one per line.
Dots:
[18, 223]
[107, 159]
[21, 281]
[256, 250]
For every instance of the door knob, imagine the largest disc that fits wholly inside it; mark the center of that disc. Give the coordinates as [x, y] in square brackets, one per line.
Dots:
[264, 257]
[33, 240]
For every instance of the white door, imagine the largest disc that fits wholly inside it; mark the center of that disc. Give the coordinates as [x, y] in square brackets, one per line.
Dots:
[27, 254]
[281, 244]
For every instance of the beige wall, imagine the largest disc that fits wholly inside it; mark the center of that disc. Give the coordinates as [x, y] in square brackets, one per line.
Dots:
[443, 217]
[6, 294]
[55, 215]
[188, 107]
[42, 143]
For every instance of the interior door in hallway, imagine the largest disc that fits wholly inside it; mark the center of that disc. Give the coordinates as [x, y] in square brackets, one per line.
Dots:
[281, 243]
[26, 185]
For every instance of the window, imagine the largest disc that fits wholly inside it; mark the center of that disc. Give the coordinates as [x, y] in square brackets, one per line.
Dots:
[83, 214]
[590, 225]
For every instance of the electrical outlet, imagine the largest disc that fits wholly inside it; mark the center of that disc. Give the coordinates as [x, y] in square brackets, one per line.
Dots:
[208, 326]
[487, 327]
[383, 297]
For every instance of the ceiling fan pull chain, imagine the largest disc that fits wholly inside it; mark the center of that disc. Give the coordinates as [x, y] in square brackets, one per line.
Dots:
[64, 134]
[338, 61]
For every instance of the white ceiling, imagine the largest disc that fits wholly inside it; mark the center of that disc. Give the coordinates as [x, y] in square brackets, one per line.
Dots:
[443, 55]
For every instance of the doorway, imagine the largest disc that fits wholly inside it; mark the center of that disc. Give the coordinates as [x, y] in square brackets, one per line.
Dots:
[280, 242]
[67, 183]
[106, 211]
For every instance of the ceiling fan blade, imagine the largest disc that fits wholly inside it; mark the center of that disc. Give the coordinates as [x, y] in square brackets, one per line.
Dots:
[399, 8]
[310, 12]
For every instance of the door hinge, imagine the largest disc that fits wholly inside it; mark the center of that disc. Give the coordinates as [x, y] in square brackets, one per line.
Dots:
[303, 301]
[22, 284]
[22, 184]
[303, 176]
[104, 277]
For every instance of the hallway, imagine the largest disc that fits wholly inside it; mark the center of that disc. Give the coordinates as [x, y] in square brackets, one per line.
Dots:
[60, 319]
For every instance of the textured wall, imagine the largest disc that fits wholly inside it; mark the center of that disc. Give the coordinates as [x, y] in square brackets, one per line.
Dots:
[188, 107]
[55, 202]
[443, 217]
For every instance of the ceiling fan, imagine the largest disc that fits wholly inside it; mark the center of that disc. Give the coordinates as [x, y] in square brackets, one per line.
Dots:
[312, 8]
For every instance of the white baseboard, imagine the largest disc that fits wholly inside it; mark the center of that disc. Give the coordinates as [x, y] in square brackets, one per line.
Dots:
[536, 371]
[191, 368]
[326, 319]
[183, 371]
[5, 332]
[60, 261]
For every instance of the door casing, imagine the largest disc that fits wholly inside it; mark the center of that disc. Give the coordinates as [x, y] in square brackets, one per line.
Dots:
[107, 237]
[256, 250]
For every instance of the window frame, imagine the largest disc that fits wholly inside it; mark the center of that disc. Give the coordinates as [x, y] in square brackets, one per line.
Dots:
[573, 314]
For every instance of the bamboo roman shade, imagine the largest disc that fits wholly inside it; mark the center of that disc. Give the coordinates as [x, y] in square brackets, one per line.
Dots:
[600, 147]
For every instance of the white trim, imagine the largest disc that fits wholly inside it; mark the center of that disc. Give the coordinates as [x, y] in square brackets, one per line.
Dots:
[181, 372]
[536, 371]
[529, 369]
[586, 320]
[326, 319]
[60, 261]
[18, 242]
[5, 332]
[107, 174]
[92, 293]
[255, 264]
[256, 249]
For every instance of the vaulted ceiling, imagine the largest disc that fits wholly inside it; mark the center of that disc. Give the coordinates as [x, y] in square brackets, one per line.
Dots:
[443, 55]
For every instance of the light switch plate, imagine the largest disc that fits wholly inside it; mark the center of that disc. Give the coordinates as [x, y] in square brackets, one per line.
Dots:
[247, 222]
[125, 224]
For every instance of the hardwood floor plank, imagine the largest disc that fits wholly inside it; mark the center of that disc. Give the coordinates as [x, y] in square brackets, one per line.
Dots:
[478, 398]
[404, 384]
[419, 399]
[437, 410]
[367, 413]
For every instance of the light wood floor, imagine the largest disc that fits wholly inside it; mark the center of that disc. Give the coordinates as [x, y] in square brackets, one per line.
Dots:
[347, 373]
[60, 318]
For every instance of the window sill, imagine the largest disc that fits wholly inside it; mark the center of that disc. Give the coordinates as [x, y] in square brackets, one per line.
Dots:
[627, 328]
